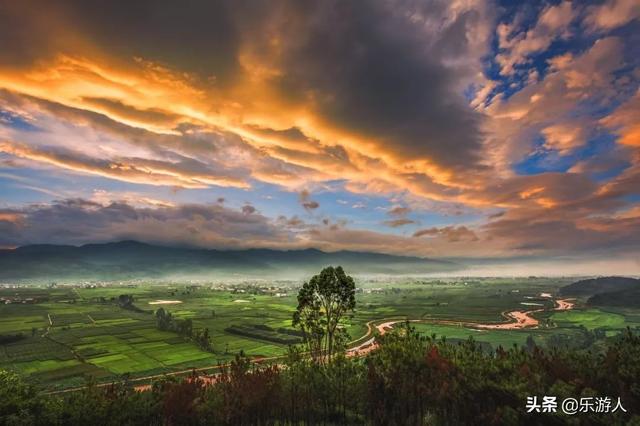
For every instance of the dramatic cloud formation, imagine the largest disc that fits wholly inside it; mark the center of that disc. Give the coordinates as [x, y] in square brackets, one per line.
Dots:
[441, 128]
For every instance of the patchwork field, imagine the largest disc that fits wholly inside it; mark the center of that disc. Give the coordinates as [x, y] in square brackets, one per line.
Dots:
[61, 336]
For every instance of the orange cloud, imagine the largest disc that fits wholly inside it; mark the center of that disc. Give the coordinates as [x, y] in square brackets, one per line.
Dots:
[136, 170]
[626, 121]
[156, 99]
[564, 137]
[11, 217]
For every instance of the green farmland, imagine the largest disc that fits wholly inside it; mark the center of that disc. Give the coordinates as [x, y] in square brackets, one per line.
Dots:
[71, 333]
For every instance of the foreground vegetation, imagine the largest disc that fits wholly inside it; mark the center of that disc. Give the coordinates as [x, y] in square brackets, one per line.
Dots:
[409, 380]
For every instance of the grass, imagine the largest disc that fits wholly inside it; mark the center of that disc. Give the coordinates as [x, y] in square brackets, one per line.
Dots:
[91, 336]
[504, 338]
[590, 319]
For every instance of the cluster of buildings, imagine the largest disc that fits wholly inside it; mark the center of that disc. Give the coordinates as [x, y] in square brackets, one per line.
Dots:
[7, 300]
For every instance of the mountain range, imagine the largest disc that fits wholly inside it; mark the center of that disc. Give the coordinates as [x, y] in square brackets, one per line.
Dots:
[133, 259]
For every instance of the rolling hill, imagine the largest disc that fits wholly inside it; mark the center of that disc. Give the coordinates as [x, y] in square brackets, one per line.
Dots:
[593, 286]
[629, 298]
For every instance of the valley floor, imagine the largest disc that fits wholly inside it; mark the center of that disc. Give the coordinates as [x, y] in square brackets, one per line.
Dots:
[70, 333]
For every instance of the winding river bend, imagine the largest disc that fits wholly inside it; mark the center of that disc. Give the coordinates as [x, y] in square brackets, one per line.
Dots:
[516, 319]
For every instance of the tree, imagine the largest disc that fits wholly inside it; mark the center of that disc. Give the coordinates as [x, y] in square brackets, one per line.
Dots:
[125, 300]
[184, 327]
[164, 320]
[322, 302]
[530, 343]
[203, 339]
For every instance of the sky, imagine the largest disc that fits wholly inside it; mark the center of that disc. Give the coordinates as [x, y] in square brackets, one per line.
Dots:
[447, 129]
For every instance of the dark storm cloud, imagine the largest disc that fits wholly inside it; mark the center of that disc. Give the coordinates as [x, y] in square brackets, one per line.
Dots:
[26, 35]
[198, 36]
[370, 70]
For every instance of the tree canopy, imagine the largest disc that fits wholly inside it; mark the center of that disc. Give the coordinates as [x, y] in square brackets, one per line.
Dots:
[322, 303]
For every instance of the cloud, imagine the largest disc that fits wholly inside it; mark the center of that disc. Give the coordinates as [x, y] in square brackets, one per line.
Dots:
[564, 137]
[399, 211]
[306, 202]
[555, 107]
[611, 14]
[614, 160]
[408, 103]
[522, 231]
[78, 221]
[399, 214]
[248, 209]
[128, 112]
[453, 234]
[530, 234]
[102, 196]
[10, 216]
[396, 223]
[293, 222]
[624, 121]
[516, 45]
[311, 205]
[393, 99]
[270, 99]
[185, 173]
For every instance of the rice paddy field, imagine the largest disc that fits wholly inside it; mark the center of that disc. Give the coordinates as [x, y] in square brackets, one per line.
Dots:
[74, 333]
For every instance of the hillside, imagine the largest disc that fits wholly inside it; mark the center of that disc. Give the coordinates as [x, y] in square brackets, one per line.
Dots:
[132, 259]
[629, 298]
[599, 285]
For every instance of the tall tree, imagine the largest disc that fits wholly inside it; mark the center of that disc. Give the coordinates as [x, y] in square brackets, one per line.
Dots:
[322, 302]
[164, 320]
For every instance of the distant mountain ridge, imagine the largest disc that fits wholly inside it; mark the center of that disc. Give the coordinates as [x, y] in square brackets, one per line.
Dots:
[133, 259]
